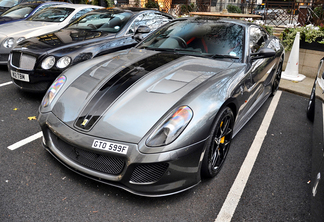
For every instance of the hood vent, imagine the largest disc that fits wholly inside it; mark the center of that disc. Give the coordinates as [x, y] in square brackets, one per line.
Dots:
[117, 85]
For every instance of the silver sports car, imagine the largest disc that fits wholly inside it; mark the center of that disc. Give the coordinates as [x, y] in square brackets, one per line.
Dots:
[156, 118]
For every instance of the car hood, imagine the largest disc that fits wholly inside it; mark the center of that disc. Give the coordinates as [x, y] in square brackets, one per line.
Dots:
[62, 39]
[28, 28]
[124, 97]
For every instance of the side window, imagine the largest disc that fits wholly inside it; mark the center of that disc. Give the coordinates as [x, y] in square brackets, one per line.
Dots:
[43, 6]
[152, 20]
[82, 12]
[258, 37]
[135, 24]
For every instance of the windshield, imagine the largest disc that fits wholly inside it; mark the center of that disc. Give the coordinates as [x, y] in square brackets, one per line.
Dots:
[19, 11]
[199, 37]
[8, 3]
[52, 15]
[112, 21]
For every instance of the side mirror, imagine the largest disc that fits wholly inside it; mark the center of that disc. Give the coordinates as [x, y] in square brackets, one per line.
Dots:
[142, 29]
[263, 53]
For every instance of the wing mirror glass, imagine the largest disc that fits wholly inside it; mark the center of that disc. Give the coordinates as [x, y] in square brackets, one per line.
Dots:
[263, 53]
[138, 36]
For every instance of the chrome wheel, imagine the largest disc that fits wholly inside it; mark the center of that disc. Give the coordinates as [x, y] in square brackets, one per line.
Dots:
[219, 143]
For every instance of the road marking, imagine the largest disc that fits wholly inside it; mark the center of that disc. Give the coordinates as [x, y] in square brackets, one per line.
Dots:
[6, 83]
[25, 141]
[233, 197]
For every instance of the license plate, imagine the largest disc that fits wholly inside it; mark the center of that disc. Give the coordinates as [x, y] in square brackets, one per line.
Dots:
[20, 76]
[112, 147]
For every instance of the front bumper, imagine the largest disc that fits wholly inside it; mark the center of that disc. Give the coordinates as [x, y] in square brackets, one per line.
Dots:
[39, 80]
[158, 174]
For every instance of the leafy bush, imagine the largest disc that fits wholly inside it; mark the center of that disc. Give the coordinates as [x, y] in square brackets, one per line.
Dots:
[308, 33]
[185, 9]
[152, 4]
[233, 9]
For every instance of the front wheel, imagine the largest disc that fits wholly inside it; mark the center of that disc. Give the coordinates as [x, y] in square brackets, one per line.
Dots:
[218, 143]
[277, 78]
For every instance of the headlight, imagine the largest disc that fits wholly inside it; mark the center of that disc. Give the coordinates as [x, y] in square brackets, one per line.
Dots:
[20, 40]
[167, 132]
[53, 90]
[63, 62]
[8, 43]
[48, 62]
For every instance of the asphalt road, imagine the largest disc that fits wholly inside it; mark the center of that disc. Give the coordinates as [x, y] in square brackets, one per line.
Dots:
[35, 187]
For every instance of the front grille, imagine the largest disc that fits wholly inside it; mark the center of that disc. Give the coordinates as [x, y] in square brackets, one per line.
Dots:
[148, 173]
[23, 61]
[94, 161]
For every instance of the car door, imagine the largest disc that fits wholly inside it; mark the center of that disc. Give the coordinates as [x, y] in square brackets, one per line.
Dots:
[260, 69]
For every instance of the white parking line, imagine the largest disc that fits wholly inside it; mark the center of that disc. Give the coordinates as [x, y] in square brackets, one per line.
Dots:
[6, 83]
[25, 141]
[233, 197]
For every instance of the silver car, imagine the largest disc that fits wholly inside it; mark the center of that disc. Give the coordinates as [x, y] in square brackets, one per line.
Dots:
[154, 119]
[48, 20]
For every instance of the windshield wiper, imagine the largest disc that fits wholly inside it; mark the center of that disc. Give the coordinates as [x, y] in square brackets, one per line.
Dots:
[224, 56]
[173, 49]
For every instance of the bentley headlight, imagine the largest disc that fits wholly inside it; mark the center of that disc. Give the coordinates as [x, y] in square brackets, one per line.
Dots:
[63, 62]
[48, 62]
[169, 130]
[53, 90]
[8, 43]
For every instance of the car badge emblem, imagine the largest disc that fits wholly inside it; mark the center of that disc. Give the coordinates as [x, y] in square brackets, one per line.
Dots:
[84, 122]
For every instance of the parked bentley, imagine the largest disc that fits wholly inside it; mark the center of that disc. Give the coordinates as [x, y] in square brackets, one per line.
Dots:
[35, 63]
[315, 111]
[24, 10]
[45, 21]
[156, 118]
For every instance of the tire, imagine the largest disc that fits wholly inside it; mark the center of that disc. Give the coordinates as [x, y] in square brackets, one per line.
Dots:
[218, 143]
[276, 81]
[311, 104]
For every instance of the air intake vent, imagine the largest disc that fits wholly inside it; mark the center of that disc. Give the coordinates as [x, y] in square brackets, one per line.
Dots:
[148, 173]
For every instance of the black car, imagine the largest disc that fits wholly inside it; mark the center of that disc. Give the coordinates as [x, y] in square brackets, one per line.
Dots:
[36, 62]
[315, 111]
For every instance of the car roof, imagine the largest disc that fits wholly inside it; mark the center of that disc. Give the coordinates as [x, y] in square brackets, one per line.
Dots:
[77, 6]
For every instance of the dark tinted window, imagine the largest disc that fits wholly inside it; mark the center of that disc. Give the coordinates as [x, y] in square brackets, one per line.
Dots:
[112, 21]
[205, 37]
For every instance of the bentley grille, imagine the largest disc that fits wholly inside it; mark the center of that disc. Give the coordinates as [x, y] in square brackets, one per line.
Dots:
[23, 61]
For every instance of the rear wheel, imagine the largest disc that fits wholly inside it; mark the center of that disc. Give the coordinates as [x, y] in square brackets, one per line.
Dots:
[219, 143]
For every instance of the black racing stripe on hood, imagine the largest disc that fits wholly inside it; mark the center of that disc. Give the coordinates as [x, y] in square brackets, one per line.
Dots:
[118, 84]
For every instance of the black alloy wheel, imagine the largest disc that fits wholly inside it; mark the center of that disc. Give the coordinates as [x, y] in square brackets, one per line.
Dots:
[219, 143]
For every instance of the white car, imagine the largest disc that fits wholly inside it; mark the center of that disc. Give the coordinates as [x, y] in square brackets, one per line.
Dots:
[48, 20]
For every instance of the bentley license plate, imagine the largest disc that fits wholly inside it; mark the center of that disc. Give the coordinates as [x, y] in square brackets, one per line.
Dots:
[20, 76]
[112, 147]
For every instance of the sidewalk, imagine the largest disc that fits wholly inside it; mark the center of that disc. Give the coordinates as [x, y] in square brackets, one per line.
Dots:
[302, 88]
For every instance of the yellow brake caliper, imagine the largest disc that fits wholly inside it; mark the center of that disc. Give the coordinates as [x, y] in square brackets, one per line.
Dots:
[223, 138]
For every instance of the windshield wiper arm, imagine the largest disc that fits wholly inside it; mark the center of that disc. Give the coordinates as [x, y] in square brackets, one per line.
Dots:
[224, 56]
[173, 49]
